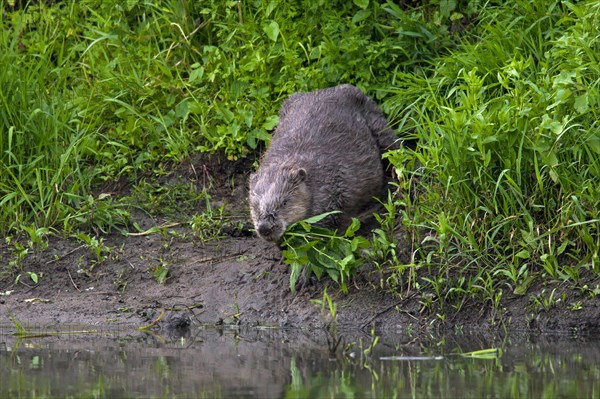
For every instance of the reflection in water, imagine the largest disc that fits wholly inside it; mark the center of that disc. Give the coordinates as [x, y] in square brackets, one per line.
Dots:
[267, 363]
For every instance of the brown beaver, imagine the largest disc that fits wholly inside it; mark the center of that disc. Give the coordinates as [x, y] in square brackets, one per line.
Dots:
[325, 155]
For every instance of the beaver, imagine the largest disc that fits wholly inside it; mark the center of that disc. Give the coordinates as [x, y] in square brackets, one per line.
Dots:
[324, 155]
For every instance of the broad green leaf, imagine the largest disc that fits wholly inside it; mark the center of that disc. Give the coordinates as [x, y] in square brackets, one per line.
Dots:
[305, 225]
[318, 218]
[447, 6]
[130, 4]
[553, 175]
[254, 135]
[334, 274]
[562, 247]
[346, 261]
[318, 272]
[362, 3]
[197, 74]
[556, 127]
[581, 103]
[564, 78]
[160, 274]
[353, 228]
[594, 143]
[272, 30]
[295, 275]
[270, 122]
[551, 159]
[361, 16]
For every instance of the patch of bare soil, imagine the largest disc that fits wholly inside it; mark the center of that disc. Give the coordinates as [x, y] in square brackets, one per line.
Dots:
[240, 278]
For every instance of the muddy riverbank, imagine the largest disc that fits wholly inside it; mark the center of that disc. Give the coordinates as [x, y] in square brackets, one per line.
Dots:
[240, 279]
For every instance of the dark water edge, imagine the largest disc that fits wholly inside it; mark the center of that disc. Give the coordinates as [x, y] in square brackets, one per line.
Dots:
[209, 362]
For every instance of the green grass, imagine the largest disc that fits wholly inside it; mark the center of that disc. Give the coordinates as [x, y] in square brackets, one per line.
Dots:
[96, 90]
[508, 161]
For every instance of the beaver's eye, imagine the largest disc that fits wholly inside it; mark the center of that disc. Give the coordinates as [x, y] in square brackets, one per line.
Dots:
[284, 203]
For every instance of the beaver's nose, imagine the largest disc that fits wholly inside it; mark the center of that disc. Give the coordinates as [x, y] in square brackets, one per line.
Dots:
[264, 229]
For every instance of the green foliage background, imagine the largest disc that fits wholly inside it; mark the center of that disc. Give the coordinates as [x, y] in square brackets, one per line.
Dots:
[93, 90]
[508, 162]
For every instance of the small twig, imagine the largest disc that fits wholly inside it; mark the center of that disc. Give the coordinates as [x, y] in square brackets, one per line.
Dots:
[217, 258]
[72, 282]
[178, 308]
[65, 255]
[153, 230]
[146, 327]
[102, 292]
[29, 287]
[127, 260]
[386, 310]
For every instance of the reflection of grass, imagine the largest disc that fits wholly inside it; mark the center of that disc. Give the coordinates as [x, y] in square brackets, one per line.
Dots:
[403, 375]
[491, 353]
[24, 333]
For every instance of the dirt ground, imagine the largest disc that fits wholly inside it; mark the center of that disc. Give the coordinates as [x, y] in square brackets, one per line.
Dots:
[239, 279]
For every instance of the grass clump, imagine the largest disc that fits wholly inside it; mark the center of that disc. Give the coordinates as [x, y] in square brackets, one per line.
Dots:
[508, 161]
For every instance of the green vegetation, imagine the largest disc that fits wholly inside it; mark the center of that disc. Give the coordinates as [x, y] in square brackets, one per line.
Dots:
[501, 191]
[319, 251]
[507, 169]
[95, 90]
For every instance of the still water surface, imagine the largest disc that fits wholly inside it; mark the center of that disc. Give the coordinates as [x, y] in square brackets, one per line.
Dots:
[271, 363]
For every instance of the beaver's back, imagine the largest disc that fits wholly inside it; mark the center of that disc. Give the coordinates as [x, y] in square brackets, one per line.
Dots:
[336, 135]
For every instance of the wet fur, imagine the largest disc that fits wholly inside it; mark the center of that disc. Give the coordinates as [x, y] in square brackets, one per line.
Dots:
[324, 155]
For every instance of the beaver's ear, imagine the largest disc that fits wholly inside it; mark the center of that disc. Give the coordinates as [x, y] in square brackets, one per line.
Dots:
[299, 175]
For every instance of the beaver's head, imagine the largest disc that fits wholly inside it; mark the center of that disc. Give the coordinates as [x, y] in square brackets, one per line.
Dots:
[279, 196]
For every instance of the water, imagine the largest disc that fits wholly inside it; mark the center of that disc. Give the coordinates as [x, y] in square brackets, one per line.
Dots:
[207, 362]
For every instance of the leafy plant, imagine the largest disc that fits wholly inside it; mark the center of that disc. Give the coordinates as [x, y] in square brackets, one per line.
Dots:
[19, 253]
[34, 277]
[161, 271]
[37, 243]
[173, 200]
[208, 224]
[100, 214]
[319, 251]
[544, 302]
[96, 247]
[327, 302]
